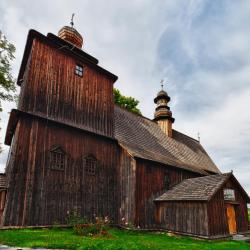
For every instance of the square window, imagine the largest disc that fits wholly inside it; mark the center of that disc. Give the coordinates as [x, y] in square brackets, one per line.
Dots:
[79, 70]
[229, 194]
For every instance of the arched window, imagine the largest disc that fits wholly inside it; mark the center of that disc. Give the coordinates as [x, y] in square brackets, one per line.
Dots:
[57, 158]
[90, 164]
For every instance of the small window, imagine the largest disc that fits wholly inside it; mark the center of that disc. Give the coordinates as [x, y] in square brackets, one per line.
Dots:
[79, 70]
[90, 165]
[229, 194]
[57, 159]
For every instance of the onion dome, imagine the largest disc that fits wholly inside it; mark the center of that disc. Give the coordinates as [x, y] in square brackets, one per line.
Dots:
[71, 35]
[162, 95]
[162, 110]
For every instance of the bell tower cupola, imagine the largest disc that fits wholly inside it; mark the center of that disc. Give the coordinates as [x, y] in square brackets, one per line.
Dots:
[70, 34]
[163, 115]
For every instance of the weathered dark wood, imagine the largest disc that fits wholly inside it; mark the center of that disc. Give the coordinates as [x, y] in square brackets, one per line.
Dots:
[2, 203]
[217, 215]
[39, 195]
[218, 223]
[183, 217]
[127, 183]
[51, 87]
[149, 185]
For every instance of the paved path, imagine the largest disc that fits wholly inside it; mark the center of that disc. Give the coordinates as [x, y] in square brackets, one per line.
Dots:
[241, 237]
[3, 247]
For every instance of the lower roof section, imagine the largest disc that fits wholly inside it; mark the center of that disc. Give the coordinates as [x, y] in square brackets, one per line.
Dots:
[199, 188]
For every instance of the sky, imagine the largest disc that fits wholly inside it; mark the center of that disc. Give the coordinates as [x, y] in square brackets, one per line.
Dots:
[200, 48]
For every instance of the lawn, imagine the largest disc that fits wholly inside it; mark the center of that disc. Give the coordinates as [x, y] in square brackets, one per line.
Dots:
[118, 240]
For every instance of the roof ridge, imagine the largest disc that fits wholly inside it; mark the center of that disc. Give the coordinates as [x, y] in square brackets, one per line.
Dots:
[130, 112]
[186, 135]
[142, 116]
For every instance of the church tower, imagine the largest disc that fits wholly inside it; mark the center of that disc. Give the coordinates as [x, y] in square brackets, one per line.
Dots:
[63, 154]
[163, 115]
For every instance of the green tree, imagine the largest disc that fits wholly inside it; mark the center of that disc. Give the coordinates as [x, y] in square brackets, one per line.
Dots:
[7, 85]
[127, 102]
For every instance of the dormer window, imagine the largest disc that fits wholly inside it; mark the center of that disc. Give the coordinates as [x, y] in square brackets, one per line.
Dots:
[57, 158]
[79, 70]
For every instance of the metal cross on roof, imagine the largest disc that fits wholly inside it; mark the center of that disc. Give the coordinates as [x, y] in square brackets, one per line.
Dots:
[162, 81]
[72, 22]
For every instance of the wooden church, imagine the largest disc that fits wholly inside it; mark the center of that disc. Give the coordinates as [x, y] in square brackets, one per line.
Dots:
[73, 149]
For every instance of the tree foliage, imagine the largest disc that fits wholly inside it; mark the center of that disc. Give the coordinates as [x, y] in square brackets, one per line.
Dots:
[7, 86]
[127, 102]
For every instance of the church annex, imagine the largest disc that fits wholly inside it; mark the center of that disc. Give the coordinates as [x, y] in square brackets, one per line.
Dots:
[73, 149]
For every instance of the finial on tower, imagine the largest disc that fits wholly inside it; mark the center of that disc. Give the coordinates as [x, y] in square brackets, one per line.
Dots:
[72, 21]
[162, 85]
[198, 135]
[163, 115]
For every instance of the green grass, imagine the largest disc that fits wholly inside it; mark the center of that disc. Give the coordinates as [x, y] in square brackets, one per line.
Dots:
[118, 240]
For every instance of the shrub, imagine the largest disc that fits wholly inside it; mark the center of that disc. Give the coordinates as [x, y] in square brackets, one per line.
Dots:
[98, 227]
[74, 218]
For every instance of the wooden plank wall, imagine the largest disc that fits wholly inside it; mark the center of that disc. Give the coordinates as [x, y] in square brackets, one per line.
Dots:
[217, 215]
[127, 181]
[2, 203]
[218, 224]
[39, 195]
[51, 87]
[183, 217]
[149, 185]
[240, 209]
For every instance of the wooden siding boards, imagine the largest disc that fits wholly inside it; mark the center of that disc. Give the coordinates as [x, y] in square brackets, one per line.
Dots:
[217, 215]
[127, 179]
[51, 87]
[2, 202]
[240, 206]
[177, 208]
[184, 217]
[149, 185]
[39, 195]
[218, 224]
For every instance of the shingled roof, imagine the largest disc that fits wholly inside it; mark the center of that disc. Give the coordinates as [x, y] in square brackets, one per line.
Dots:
[200, 188]
[2, 181]
[144, 139]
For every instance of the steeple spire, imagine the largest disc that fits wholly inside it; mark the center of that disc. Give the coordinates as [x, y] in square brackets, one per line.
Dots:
[163, 115]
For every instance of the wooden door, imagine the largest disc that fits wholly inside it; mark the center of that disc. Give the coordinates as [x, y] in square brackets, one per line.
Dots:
[231, 219]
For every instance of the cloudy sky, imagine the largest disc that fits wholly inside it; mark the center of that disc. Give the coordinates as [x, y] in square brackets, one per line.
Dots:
[200, 48]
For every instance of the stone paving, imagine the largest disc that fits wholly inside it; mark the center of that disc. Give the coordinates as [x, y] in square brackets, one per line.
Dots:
[241, 237]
